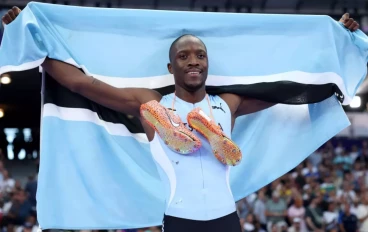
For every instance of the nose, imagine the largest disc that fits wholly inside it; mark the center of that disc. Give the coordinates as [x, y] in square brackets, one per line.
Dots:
[193, 61]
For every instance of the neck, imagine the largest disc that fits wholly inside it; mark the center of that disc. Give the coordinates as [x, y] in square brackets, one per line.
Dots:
[192, 97]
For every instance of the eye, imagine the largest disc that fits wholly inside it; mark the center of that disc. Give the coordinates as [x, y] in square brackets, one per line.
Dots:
[201, 56]
[182, 56]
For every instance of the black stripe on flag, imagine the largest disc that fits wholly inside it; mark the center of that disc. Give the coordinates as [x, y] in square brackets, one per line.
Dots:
[59, 95]
[284, 92]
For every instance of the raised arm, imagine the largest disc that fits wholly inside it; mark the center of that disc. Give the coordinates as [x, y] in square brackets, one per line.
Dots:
[242, 105]
[125, 100]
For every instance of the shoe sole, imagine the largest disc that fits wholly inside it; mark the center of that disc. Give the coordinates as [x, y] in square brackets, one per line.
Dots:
[179, 139]
[224, 149]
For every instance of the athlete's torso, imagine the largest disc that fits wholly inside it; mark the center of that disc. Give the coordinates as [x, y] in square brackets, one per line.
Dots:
[197, 185]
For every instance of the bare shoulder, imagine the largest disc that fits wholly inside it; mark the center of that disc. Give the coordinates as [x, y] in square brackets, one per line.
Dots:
[232, 100]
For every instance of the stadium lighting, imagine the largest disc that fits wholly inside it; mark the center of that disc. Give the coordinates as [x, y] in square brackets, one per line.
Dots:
[356, 102]
[5, 79]
[1, 113]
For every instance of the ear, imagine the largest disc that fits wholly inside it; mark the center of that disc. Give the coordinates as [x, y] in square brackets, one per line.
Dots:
[169, 67]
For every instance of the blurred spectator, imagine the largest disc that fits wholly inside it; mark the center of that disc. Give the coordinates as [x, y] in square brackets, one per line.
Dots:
[354, 153]
[7, 206]
[314, 216]
[250, 224]
[31, 189]
[276, 209]
[307, 194]
[362, 212]
[310, 170]
[348, 222]
[354, 206]
[30, 225]
[358, 170]
[299, 178]
[296, 226]
[297, 211]
[344, 160]
[20, 210]
[282, 226]
[8, 183]
[245, 206]
[346, 192]
[287, 187]
[260, 209]
[274, 228]
[328, 185]
[339, 149]
[330, 218]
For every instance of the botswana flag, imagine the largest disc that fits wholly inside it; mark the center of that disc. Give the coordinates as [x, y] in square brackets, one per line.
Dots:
[96, 168]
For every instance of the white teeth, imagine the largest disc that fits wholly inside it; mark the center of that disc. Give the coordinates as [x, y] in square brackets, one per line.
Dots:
[193, 72]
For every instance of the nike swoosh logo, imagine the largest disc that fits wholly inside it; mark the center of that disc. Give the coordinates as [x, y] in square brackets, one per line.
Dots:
[172, 122]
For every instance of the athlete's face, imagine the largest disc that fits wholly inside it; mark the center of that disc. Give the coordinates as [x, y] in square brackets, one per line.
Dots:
[189, 63]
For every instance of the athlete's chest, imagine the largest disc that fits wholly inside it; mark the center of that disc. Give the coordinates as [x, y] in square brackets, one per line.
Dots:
[217, 111]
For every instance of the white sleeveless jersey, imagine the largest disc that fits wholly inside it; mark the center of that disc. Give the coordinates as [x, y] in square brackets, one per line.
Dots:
[197, 185]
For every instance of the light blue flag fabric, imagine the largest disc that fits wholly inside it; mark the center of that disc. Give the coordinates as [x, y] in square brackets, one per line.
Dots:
[96, 169]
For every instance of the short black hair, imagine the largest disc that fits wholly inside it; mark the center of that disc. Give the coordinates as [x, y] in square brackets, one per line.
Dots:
[177, 40]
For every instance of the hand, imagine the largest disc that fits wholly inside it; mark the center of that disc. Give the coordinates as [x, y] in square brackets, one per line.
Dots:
[10, 15]
[349, 23]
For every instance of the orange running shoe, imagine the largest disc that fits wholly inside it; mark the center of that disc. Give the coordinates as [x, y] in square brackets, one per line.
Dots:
[170, 128]
[224, 149]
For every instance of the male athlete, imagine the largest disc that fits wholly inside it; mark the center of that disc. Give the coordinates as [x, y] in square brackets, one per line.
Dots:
[202, 199]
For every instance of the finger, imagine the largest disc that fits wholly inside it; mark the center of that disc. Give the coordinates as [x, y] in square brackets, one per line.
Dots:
[350, 21]
[7, 19]
[356, 27]
[11, 14]
[353, 25]
[4, 20]
[16, 10]
[345, 16]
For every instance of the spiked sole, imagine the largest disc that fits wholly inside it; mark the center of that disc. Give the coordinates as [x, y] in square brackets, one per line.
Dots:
[170, 128]
[224, 149]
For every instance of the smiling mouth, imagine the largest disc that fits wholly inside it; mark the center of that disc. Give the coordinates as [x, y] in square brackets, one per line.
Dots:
[194, 73]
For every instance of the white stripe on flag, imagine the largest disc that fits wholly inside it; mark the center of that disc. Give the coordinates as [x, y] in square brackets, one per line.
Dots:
[155, 82]
[166, 80]
[85, 115]
[22, 67]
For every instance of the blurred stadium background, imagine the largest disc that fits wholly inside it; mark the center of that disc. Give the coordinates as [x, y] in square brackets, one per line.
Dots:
[315, 192]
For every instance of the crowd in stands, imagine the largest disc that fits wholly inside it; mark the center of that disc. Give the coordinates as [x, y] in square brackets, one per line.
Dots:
[17, 202]
[326, 192]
